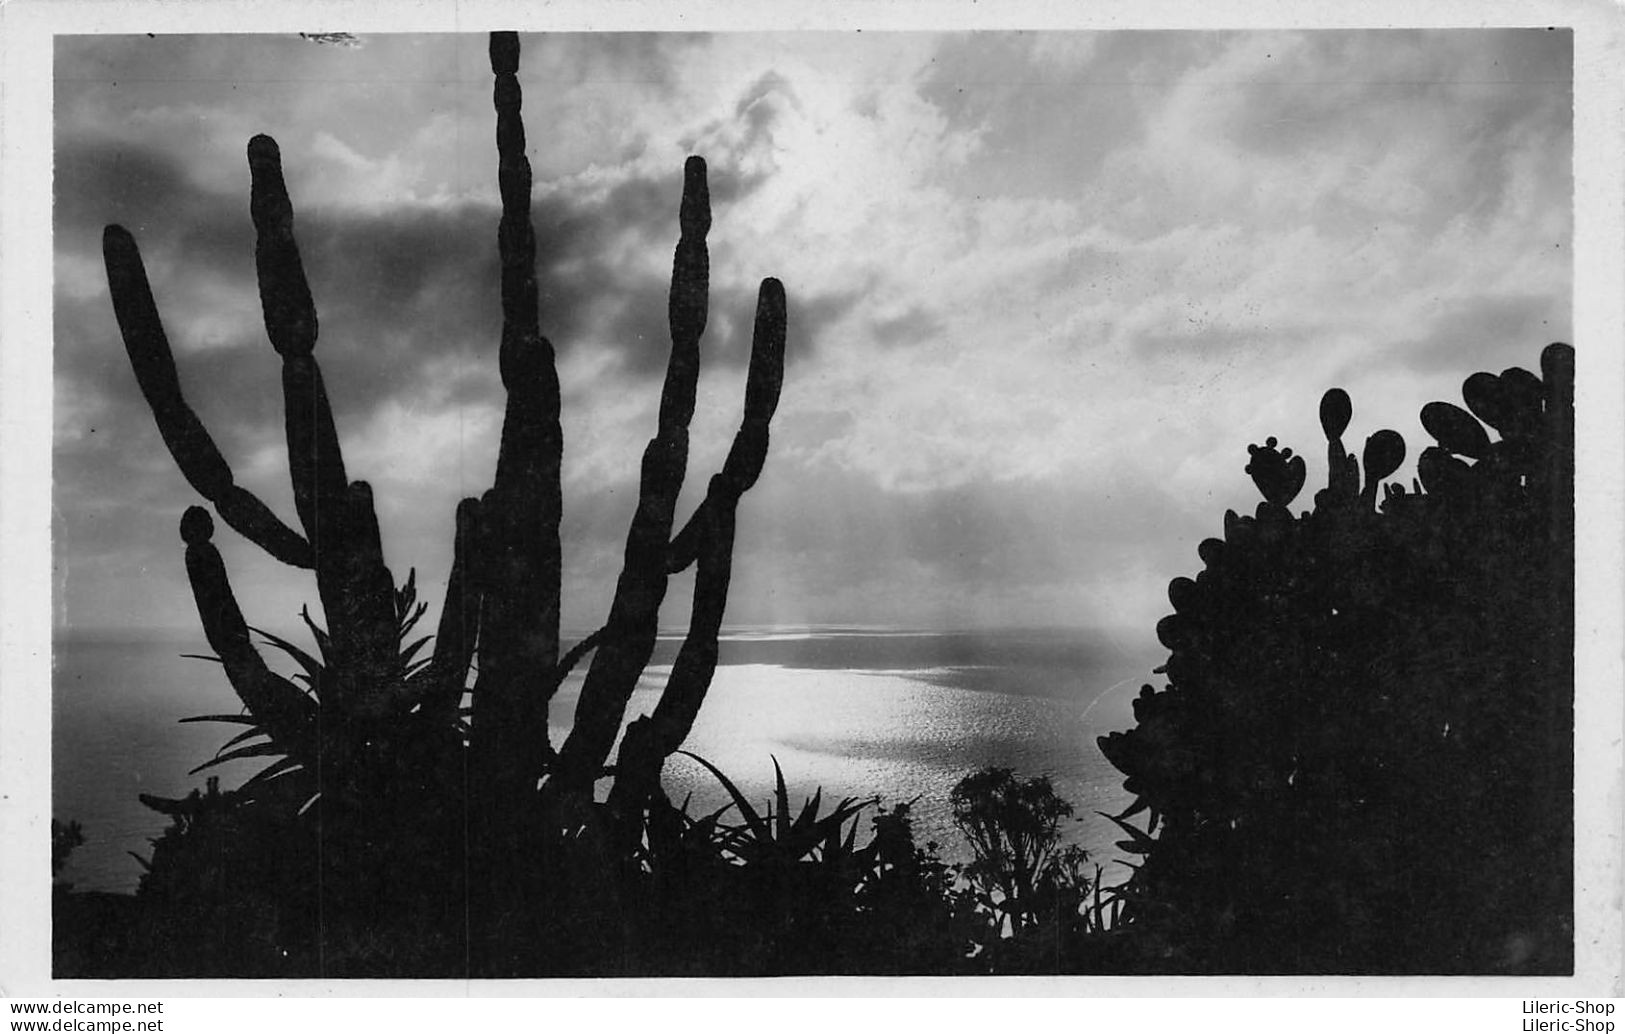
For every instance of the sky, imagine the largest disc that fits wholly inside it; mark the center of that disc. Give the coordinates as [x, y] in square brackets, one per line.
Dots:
[1044, 289]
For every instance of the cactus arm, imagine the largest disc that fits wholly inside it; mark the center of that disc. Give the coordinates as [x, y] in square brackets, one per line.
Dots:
[707, 540]
[363, 607]
[356, 589]
[573, 657]
[749, 450]
[649, 740]
[458, 630]
[520, 515]
[629, 633]
[285, 711]
[289, 312]
[188, 440]
[314, 459]
[686, 304]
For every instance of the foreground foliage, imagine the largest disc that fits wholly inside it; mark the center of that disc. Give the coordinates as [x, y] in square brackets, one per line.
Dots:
[741, 891]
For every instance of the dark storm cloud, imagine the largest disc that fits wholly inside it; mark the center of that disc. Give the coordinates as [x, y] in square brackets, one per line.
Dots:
[398, 291]
[236, 391]
[639, 332]
[392, 293]
[813, 318]
[102, 181]
[585, 290]
[395, 290]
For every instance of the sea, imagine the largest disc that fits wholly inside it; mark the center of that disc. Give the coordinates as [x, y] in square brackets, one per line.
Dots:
[895, 714]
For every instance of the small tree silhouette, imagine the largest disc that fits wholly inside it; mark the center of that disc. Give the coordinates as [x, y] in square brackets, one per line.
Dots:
[1362, 759]
[414, 811]
[1030, 887]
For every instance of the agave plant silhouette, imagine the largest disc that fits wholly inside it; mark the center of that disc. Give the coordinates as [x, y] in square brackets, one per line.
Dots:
[291, 743]
[776, 839]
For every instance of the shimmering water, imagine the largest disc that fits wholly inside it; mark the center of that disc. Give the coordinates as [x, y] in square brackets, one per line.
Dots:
[860, 713]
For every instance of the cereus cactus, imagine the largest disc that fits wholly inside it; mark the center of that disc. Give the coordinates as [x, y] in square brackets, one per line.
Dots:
[411, 801]
[1362, 759]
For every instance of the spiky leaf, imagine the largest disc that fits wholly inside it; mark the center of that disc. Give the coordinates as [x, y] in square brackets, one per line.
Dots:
[240, 719]
[257, 750]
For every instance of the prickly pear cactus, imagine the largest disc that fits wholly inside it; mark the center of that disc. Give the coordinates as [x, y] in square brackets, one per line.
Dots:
[1361, 761]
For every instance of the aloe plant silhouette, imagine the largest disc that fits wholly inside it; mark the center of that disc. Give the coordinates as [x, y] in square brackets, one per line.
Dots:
[1362, 761]
[412, 800]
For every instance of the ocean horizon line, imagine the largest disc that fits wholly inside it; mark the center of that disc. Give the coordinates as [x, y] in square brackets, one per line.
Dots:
[743, 631]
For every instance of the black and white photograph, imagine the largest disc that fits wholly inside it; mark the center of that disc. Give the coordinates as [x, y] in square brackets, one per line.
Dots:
[824, 501]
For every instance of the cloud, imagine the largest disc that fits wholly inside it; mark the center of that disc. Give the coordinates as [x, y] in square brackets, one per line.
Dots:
[1044, 287]
[1496, 331]
[1057, 551]
[408, 298]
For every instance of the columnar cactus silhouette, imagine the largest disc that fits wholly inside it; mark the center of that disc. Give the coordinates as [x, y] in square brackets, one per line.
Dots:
[1362, 760]
[377, 750]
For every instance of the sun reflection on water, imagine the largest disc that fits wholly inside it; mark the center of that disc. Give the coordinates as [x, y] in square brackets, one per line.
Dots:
[888, 734]
[859, 712]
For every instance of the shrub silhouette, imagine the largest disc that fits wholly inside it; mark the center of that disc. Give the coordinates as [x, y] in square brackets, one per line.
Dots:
[391, 811]
[65, 836]
[789, 890]
[1362, 759]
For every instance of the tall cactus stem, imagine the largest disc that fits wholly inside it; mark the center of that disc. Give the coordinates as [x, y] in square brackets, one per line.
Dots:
[314, 460]
[707, 540]
[519, 577]
[195, 453]
[355, 587]
[686, 305]
[652, 739]
[629, 633]
[367, 588]
[349, 567]
[748, 453]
